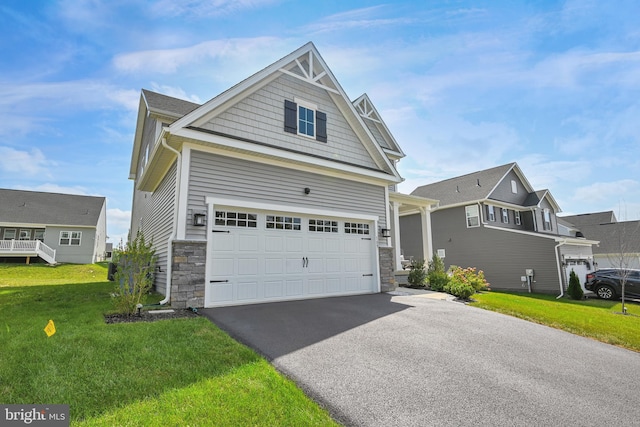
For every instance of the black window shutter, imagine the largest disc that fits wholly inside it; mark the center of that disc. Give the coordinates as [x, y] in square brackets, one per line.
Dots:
[321, 126]
[290, 116]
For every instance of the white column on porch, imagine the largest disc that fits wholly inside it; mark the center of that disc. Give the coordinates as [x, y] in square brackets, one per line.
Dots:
[395, 234]
[427, 245]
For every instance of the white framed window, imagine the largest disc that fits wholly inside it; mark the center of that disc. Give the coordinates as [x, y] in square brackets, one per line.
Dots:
[323, 225]
[38, 235]
[25, 234]
[473, 216]
[275, 222]
[70, 238]
[492, 213]
[547, 219]
[514, 186]
[236, 219]
[517, 216]
[505, 215]
[356, 228]
[9, 234]
[306, 120]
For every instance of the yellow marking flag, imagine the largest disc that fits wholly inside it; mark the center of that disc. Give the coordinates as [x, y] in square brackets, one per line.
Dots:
[50, 329]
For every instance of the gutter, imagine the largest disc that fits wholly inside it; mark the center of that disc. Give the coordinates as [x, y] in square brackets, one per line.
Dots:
[562, 242]
[174, 231]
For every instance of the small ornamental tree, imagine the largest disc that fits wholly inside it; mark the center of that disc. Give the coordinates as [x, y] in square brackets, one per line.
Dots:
[417, 276]
[574, 290]
[436, 274]
[134, 275]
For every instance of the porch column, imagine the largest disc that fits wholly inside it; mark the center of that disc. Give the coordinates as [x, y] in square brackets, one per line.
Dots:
[395, 235]
[427, 244]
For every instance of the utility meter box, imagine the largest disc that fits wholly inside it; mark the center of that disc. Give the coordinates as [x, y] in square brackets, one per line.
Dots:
[529, 272]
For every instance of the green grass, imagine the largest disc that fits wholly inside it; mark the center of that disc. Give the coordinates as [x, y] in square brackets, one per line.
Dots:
[593, 318]
[170, 372]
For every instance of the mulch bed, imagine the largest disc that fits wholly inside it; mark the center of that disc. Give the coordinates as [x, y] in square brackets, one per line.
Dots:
[146, 316]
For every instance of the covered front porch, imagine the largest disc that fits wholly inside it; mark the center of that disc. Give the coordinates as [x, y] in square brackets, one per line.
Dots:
[403, 205]
[27, 249]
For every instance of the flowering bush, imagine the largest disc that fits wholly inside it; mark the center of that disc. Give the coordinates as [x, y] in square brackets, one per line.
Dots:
[464, 282]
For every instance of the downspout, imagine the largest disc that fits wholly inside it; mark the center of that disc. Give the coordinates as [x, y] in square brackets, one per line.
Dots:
[174, 232]
[559, 268]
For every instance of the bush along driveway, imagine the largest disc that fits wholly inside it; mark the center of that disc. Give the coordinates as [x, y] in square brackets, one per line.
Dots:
[382, 360]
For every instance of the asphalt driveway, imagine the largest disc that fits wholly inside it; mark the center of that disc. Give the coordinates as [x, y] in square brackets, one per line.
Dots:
[382, 360]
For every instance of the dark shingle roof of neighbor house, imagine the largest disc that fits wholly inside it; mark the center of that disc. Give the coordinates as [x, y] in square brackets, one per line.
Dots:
[168, 105]
[33, 207]
[464, 188]
[614, 236]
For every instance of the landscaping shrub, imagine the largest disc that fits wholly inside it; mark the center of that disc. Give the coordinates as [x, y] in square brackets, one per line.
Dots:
[436, 274]
[574, 290]
[464, 282]
[417, 276]
[134, 275]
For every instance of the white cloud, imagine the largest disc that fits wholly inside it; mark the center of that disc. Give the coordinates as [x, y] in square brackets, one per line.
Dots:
[229, 52]
[30, 163]
[206, 8]
[602, 191]
[118, 223]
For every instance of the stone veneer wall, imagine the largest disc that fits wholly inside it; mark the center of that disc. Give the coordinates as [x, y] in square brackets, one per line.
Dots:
[188, 265]
[387, 270]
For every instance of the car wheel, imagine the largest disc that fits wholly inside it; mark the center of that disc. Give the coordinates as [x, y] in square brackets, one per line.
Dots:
[605, 292]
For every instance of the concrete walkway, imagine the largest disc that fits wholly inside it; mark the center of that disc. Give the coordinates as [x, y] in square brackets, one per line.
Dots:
[406, 360]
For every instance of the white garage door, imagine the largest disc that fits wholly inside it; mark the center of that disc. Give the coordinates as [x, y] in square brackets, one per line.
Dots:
[259, 256]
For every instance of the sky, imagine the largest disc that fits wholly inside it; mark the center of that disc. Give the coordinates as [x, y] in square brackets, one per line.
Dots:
[462, 85]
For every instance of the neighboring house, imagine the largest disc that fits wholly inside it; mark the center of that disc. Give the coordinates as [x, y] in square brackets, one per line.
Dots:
[619, 240]
[495, 221]
[279, 188]
[58, 228]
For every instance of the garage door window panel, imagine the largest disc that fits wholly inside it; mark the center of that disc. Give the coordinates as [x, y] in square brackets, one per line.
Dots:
[323, 225]
[356, 228]
[275, 222]
[236, 219]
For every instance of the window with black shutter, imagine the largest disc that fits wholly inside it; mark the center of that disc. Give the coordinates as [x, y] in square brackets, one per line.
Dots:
[303, 118]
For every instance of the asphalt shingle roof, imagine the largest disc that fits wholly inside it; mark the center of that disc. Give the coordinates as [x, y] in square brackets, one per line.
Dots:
[164, 104]
[32, 207]
[465, 188]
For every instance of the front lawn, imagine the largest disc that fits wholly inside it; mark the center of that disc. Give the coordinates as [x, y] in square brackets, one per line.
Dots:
[593, 318]
[169, 372]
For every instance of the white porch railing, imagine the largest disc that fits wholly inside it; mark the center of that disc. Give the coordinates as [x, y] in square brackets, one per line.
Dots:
[27, 248]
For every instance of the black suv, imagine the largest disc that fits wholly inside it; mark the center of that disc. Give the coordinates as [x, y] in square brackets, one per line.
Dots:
[606, 283]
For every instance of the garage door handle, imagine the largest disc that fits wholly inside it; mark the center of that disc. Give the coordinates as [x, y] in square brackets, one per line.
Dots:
[367, 275]
[305, 262]
[220, 231]
[218, 281]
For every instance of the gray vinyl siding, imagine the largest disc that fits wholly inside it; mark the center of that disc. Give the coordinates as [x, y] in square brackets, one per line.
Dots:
[153, 214]
[73, 254]
[212, 175]
[411, 236]
[503, 192]
[539, 213]
[498, 220]
[260, 117]
[502, 255]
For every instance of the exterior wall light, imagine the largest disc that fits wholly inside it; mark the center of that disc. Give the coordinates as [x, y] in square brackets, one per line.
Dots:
[199, 219]
[386, 232]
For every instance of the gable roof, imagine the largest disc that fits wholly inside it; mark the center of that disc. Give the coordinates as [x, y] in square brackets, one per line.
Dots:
[471, 187]
[167, 105]
[614, 237]
[377, 126]
[307, 65]
[40, 208]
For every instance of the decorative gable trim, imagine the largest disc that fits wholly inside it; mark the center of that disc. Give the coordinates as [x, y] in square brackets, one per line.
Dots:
[309, 68]
[368, 111]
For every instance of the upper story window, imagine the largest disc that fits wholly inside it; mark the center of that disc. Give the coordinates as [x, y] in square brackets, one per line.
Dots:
[306, 121]
[517, 216]
[547, 220]
[514, 186]
[303, 118]
[473, 216]
[9, 234]
[25, 234]
[492, 213]
[505, 216]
